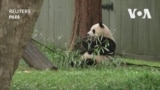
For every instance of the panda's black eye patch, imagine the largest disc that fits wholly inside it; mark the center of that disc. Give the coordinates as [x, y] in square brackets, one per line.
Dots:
[93, 31]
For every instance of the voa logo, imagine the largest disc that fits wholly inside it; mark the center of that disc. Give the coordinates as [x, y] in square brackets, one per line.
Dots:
[144, 14]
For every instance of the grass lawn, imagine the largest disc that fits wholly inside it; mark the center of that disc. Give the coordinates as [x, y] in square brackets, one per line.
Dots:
[108, 77]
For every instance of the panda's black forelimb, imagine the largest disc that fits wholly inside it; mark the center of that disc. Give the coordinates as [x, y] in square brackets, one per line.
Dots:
[109, 47]
[104, 45]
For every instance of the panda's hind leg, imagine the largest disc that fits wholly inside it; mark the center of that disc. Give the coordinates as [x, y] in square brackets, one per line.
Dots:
[88, 62]
[83, 63]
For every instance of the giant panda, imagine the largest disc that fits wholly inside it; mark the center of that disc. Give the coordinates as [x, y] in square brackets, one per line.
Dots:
[98, 45]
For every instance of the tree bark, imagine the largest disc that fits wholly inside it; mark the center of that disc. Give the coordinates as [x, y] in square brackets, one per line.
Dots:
[14, 35]
[87, 13]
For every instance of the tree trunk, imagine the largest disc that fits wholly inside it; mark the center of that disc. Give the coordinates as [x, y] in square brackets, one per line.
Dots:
[14, 35]
[87, 13]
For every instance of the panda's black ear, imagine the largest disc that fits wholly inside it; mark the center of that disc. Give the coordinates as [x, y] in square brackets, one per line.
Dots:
[101, 25]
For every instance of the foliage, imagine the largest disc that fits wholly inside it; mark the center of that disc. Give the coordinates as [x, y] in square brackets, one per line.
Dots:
[111, 75]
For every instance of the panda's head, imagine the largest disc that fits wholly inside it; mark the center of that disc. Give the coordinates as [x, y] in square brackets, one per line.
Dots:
[99, 29]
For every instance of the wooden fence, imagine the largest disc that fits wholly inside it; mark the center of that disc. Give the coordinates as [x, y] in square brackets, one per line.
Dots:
[55, 22]
[135, 37]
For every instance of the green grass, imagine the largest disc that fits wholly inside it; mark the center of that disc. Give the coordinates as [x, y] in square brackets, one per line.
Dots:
[119, 78]
[142, 62]
[113, 76]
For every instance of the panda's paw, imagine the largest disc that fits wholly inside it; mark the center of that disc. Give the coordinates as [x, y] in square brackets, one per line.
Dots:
[74, 63]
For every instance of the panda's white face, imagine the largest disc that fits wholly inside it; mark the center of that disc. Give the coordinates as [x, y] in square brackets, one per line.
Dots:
[96, 31]
[100, 29]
